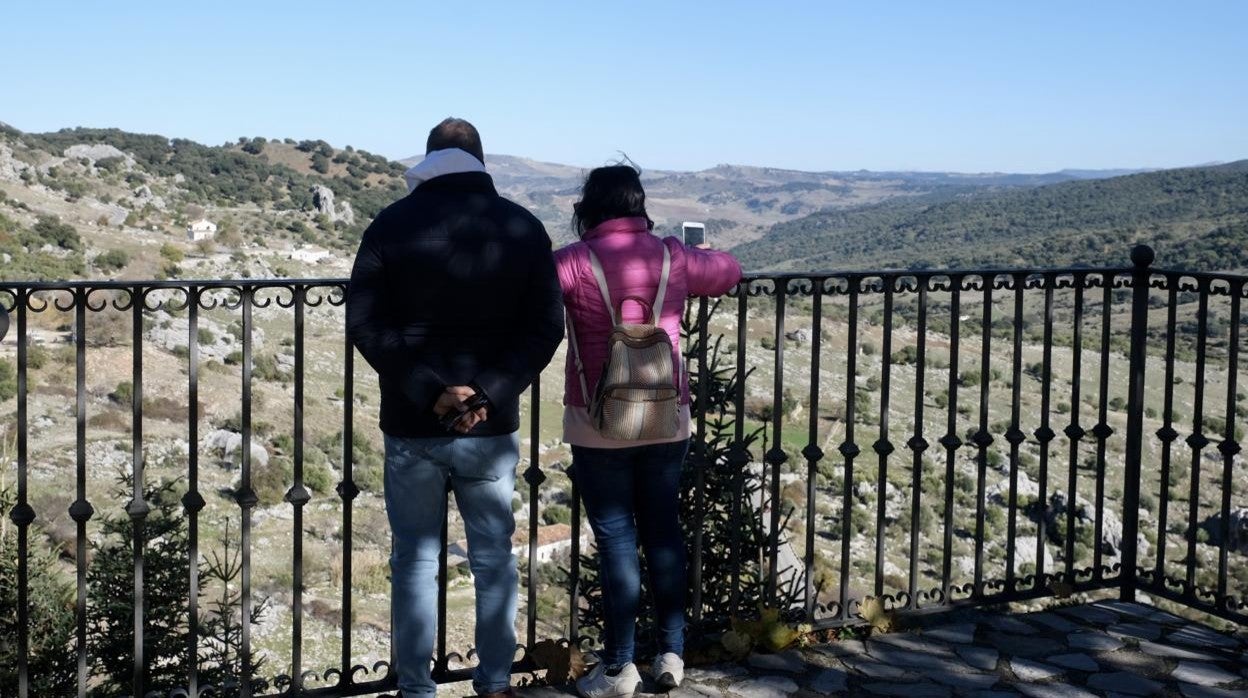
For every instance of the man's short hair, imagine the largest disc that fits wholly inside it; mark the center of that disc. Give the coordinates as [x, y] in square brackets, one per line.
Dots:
[455, 133]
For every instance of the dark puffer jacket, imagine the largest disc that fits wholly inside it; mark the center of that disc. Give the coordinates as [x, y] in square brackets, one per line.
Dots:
[454, 285]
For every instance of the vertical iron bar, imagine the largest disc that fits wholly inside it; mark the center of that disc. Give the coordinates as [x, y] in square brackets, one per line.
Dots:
[574, 619]
[700, 463]
[848, 448]
[1074, 431]
[812, 451]
[883, 447]
[192, 502]
[738, 458]
[348, 490]
[247, 497]
[1102, 430]
[1197, 440]
[138, 508]
[441, 662]
[80, 510]
[1141, 256]
[951, 441]
[1230, 446]
[298, 497]
[982, 438]
[533, 476]
[1167, 434]
[22, 514]
[1044, 435]
[918, 444]
[776, 456]
[1014, 436]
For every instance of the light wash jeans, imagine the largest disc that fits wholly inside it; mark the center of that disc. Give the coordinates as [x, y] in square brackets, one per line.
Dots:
[482, 473]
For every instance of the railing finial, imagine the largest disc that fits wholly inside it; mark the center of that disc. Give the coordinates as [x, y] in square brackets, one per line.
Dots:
[1142, 256]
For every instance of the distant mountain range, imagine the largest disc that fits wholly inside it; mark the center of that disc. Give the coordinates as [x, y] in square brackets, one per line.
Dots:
[1196, 218]
[740, 203]
[115, 189]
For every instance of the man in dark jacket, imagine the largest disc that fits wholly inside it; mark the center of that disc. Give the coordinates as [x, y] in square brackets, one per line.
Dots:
[454, 301]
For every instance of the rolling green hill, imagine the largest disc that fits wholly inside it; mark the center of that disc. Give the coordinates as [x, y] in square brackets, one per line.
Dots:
[1196, 218]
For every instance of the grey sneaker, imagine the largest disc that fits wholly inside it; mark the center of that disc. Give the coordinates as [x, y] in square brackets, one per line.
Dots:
[597, 684]
[668, 670]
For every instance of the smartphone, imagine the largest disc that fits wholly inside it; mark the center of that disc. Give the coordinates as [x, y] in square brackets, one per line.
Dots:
[451, 419]
[693, 233]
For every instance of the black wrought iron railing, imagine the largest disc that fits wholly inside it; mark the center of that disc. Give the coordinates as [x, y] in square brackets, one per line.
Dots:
[930, 438]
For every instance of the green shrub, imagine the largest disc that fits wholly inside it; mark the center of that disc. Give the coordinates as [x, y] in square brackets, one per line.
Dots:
[255, 146]
[271, 480]
[556, 514]
[36, 357]
[370, 477]
[113, 260]
[110, 165]
[123, 394]
[51, 231]
[908, 354]
[317, 475]
[171, 253]
[265, 368]
[50, 615]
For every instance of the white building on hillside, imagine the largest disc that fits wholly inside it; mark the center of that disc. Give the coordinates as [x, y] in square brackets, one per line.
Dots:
[309, 254]
[202, 229]
[551, 540]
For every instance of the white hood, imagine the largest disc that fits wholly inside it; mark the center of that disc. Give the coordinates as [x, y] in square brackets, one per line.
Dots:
[442, 162]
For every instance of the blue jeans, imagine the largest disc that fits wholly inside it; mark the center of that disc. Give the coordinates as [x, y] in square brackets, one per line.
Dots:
[630, 493]
[482, 473]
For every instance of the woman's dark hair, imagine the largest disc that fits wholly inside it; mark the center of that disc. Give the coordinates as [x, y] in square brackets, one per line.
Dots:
[610, 192]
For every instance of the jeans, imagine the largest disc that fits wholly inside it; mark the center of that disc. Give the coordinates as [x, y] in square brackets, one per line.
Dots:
[630, 493]
[482, 473]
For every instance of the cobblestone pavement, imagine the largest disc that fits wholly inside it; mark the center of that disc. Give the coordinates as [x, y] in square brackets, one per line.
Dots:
[1108, 648]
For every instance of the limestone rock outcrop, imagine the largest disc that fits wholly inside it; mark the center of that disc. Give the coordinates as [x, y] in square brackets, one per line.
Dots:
[323, 200]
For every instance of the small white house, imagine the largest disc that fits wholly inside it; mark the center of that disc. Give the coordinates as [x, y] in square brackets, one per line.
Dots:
[202, 229]
[550, 540]
[309, 254]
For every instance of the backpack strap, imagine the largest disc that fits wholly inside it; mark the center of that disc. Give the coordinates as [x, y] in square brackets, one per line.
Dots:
[601, 277]
[576, 355]
[655, 311]
[657, 308]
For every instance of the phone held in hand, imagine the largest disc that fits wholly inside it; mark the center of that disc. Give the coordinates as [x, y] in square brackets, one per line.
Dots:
[451, 419]
[694, 234]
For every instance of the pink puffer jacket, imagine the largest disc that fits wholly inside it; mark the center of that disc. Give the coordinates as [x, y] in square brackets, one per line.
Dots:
[632, 260]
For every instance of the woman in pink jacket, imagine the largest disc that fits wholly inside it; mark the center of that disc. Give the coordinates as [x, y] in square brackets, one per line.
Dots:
[631, 489]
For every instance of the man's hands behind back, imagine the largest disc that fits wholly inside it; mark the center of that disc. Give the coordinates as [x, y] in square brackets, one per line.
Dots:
[453, 399]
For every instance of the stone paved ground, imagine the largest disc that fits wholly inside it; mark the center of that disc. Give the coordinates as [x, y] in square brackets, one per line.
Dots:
[1107, 648]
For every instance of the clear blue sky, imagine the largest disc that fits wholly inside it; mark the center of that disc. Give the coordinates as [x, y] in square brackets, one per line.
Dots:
[932, 85]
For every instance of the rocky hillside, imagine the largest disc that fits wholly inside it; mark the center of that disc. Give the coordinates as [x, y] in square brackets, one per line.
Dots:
[90, 203]
[99, 203]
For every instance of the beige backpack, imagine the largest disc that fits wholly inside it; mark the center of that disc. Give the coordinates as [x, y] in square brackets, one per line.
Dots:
[637, 398]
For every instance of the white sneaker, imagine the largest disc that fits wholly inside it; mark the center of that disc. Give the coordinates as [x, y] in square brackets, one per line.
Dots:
[596, 684]
[668, 670]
